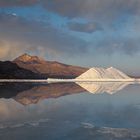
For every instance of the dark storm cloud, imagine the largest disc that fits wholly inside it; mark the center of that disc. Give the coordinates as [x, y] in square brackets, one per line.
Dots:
[93, 8]
[108, 13]
[34, 36]
[83, 8]
[84, 27]
[5, 3]
[18, 35]
[101, 9]
[106, 10]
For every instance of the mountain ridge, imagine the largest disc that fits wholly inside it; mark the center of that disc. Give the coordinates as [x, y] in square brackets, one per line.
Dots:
[28, 58]
[51, 69]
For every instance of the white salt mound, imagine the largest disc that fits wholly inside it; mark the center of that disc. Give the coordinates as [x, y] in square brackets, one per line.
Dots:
[102, 73]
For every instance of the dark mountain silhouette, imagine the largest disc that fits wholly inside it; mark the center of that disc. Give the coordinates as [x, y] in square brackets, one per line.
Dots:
[10, 70]
[10, 90]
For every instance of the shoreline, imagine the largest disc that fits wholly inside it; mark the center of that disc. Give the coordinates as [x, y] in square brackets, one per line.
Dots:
[51, 80]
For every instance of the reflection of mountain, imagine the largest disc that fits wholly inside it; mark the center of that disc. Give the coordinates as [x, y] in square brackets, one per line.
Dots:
[102, 87]
[10, 90]
[27, 93]
[33, 93]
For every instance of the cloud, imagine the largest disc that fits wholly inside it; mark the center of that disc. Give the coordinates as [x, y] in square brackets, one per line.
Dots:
[110, 45]
[95, 9]
[7, 3]
[10, 49]
[22, 35]
[76, 8]
[106, 10]
[84, 27]
[19, 35]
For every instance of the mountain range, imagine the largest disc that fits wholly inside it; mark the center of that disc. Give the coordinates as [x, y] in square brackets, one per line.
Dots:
[33, 67]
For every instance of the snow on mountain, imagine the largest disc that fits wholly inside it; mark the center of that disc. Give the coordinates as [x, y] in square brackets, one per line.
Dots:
[102, 73]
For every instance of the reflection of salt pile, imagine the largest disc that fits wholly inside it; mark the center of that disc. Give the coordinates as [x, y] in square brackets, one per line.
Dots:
[101, 73]
[103, 87]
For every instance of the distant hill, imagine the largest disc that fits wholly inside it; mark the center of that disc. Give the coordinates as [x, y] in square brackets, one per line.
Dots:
[10, 70]
[51, 69]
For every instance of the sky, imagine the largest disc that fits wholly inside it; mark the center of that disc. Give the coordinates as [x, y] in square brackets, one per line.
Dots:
[89, 33]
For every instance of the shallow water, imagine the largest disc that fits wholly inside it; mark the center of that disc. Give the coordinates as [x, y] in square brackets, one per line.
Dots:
[70, 111]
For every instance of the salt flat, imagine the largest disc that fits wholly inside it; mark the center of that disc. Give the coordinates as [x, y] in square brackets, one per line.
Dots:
[51, 80]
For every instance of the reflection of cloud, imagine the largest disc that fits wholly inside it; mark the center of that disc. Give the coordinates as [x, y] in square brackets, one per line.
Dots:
[9, 109]
[90, 131]
[24, 124]
[112, 111]
[13, 113]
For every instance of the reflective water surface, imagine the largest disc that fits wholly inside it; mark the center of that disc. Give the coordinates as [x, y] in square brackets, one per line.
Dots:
[70, 111]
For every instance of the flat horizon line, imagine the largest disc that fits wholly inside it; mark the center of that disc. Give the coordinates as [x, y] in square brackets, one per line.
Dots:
[51, 80]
